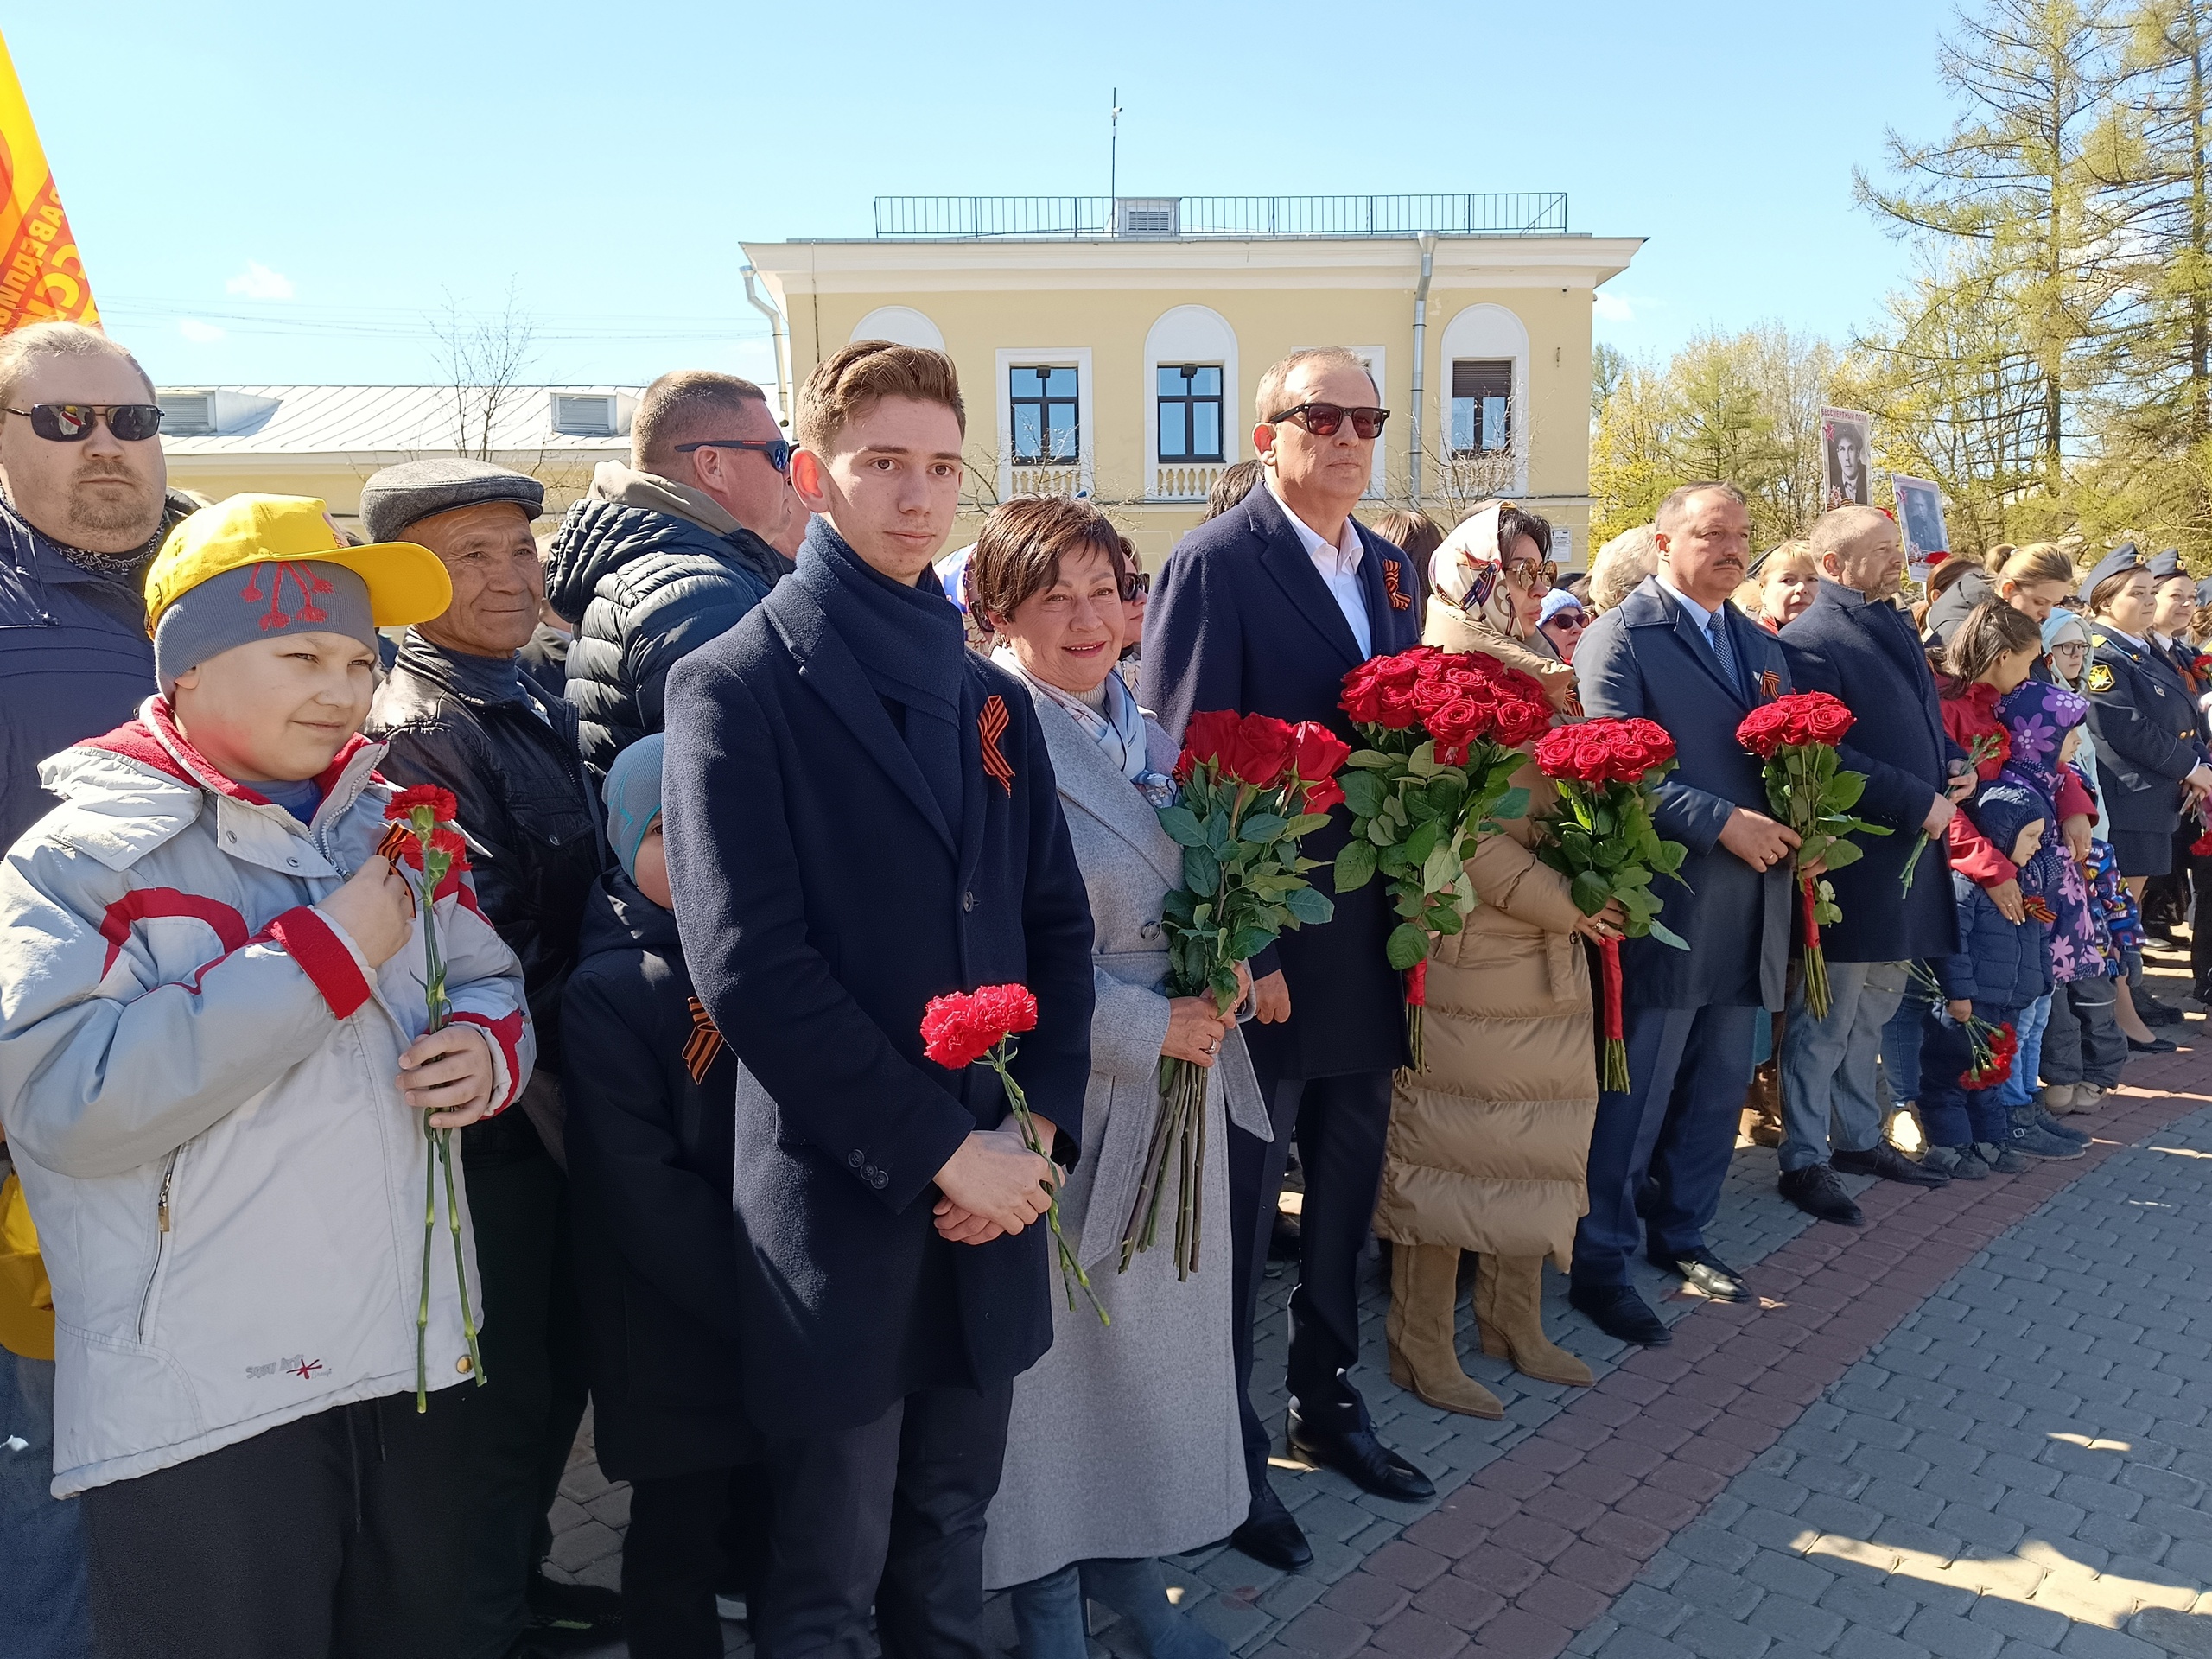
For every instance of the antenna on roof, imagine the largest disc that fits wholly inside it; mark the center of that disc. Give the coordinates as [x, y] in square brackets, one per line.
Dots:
[1113, 150]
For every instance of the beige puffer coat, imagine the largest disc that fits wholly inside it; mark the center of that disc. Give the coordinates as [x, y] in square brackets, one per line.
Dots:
[1489, 1145]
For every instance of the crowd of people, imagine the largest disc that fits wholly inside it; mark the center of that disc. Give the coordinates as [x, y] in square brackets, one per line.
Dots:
[636, 857]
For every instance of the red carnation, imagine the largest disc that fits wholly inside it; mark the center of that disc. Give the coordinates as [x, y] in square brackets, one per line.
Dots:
[960, 1029]
[439, 803]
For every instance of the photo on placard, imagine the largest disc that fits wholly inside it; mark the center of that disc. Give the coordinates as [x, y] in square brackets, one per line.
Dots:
[1920, 517]
[1847, 481]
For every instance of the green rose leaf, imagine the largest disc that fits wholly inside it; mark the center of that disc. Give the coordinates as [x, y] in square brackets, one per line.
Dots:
[1183, 825]
[1355, 864]
[1408, 945]
[1310, 905]
[1201, 870]
[1667, 935]
[1263, 827]
[1590, 891]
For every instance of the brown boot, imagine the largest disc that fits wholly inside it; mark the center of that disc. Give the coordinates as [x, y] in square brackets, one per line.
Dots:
[1509, 1306]
[1762, 1120]
[1424, 1297]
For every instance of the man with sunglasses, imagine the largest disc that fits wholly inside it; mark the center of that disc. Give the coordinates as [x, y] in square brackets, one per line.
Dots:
[1264, 610]
[84, 510]
[668, 552]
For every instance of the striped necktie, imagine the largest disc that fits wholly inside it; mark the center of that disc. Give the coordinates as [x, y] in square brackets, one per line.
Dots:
[1716, 630]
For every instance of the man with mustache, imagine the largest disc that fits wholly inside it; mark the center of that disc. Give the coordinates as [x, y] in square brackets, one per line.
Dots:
[1677, 652]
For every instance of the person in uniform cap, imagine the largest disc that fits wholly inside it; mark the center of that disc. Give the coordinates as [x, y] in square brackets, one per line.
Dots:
[2166, 897]
[458, 712]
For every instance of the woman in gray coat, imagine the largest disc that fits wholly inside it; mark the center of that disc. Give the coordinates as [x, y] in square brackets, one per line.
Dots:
[1123, 1444]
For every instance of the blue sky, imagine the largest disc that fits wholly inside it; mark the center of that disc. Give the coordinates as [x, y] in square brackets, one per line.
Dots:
[270, 193]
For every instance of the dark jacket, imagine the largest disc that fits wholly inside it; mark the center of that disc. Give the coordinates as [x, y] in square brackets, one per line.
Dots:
[545, 659]
[1997, 964]
[821, 906]
[1645, 659]
[1953, 604]
[2144, 721]
[643, 588]
[1865, 655]
[529, 809]
[648, 1085]
[75, 662]
[1241, 619]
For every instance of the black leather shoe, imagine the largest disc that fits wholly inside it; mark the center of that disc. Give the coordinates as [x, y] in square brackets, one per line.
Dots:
[562, 1614]
[1815, 1190]
[2156, 1045]
[1362, 1459]
[1622, 1314]
[1706, 1274]
[1885, 1161]
[2151, 1011]
[1270, 1535]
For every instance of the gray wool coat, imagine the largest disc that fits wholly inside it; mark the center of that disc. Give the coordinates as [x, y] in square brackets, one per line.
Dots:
[1123, 1440]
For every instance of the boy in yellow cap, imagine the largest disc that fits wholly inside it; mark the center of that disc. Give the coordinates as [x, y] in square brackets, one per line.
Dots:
[215, 1072]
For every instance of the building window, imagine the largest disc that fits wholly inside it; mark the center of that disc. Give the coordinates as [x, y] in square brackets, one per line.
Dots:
[583, 416]
[1482, 406]
[186, 414]
[1043, 403]
[1190, 411]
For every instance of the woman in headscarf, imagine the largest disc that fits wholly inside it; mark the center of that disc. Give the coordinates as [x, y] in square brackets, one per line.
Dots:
[1489, 1145]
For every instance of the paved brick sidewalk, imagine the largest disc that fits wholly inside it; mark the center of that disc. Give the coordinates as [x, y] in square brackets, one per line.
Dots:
[1577, 1521]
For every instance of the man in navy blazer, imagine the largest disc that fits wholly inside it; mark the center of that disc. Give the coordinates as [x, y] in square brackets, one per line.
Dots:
[859, 816]
[1264, 610]
[1677, 652]
[1856, 646]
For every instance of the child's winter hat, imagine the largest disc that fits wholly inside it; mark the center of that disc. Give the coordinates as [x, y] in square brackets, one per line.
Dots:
[632, 795]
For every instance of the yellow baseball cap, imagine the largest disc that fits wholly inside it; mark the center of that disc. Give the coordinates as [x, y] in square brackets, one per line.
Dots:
[406, 581]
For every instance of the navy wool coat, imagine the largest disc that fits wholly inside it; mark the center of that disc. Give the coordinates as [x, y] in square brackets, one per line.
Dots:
[1645, 659]
[2144, 721]
[1242, 619]
[821, 906]
[1866, 656]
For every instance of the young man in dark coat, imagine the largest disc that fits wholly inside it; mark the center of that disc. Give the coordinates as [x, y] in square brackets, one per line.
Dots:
[1264, 610]
[1677, 652]
[649, 1082]
[861, 817]
[1856, 646]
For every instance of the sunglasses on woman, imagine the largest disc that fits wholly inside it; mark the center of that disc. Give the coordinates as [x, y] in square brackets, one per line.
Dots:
[1322, 420]
[1137, 582]
[1533, 575]
[74, 422]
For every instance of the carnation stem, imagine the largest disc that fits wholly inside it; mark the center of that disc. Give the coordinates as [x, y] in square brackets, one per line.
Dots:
[461, 1276]
[1071, 1273]
[422, 1307]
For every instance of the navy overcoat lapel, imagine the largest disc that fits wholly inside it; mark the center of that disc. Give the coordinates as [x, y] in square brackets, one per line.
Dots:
[1285, 558]
[1700, 647]
[828, 667]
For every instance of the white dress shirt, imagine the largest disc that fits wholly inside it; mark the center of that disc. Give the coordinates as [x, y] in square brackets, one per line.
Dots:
[1339, 569]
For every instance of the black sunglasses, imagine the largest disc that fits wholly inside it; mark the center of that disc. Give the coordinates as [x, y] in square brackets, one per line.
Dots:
[1137, 582]
[778, 450]
[1322, 420]
[74, 422]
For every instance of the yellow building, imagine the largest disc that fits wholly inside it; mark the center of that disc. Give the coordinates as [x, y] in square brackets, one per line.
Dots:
[326, 440]
[1112, 346]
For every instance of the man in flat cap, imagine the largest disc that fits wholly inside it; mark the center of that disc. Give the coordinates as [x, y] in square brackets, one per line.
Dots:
[457, 711]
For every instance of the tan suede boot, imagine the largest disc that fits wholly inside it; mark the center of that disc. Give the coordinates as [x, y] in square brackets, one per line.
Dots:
[1424, 1297]
[1509, 1306]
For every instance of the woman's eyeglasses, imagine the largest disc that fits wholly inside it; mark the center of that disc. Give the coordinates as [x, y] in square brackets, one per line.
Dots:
[1135, 583]
[1322, 420]
[1532, 577]
[74, 422]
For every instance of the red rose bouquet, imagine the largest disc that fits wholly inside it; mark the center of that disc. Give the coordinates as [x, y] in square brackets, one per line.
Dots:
[1604, 841]
[425, 842]
[1444, 732]
[961, 1029]
[1797, 737]
[1252, 788]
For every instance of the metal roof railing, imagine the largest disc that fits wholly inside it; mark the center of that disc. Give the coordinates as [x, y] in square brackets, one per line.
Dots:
[977, 218]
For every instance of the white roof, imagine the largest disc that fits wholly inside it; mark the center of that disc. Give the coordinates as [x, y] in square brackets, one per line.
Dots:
[395, 421]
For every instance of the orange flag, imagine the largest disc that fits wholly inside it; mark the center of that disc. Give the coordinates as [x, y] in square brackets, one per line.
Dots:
[41, 278]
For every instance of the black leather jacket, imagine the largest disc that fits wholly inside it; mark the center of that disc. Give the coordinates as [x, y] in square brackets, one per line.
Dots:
[528, 806]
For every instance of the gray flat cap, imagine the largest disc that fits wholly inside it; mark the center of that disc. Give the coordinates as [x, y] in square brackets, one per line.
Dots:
[396, 497]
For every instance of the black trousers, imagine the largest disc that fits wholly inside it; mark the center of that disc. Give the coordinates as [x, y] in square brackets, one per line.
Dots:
[689, 1537]
[1340, 1123]
[332, 1537]
[534, 1363]
[891, 1512]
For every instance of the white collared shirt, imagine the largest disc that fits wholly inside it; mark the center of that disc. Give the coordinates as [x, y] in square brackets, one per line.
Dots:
[1699, 614]
[1338, 568]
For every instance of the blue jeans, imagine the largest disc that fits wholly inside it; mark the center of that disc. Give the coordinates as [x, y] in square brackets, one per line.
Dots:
[1828, 1065]
[2028, 1026]
[1901, 1043]
[1048, 1611]
[43, 1609]
[1953, 1115]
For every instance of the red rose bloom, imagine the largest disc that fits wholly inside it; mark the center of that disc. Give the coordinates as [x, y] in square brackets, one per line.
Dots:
[1828, 720]
[960, 1029]
[1208, 737]
[1317, 755]
[1260, 752]
[440, 802]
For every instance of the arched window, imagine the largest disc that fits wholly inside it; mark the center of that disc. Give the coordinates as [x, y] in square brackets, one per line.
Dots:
[902, 326]
[1482, 397]
[1193, 405]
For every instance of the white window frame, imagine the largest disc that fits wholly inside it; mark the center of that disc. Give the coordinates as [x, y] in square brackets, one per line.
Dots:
[1026, 356]
[1180, 335]
[902, 325]
[1486, 332]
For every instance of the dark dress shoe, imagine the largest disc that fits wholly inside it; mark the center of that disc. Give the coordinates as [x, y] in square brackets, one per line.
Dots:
[1362, 1459]
[1815, 1190]
[2156, 1045]
[1885, 1161]
[2151, 1011]
[1270, 1535]
[1622, 1314]
[1706, 1274]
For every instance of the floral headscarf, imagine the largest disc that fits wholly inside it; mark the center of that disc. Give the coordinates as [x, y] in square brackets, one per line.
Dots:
[1467, 571]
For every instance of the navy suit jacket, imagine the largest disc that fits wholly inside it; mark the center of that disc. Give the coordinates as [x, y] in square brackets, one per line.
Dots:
[2144, 721]
[1868, 656]
[822, 903]
[1645, 659]
[1242, 619]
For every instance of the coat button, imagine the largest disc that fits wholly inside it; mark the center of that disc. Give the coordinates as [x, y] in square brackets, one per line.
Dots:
[232, 836]
[967, 901]
[854, 1160]
[881, 1180]
[291, 864]
[553, 840]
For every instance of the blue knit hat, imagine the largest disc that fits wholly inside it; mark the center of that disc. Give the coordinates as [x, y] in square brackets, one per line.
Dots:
[632, 795]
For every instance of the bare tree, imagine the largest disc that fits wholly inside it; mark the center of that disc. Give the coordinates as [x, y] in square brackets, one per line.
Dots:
[482, 356]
